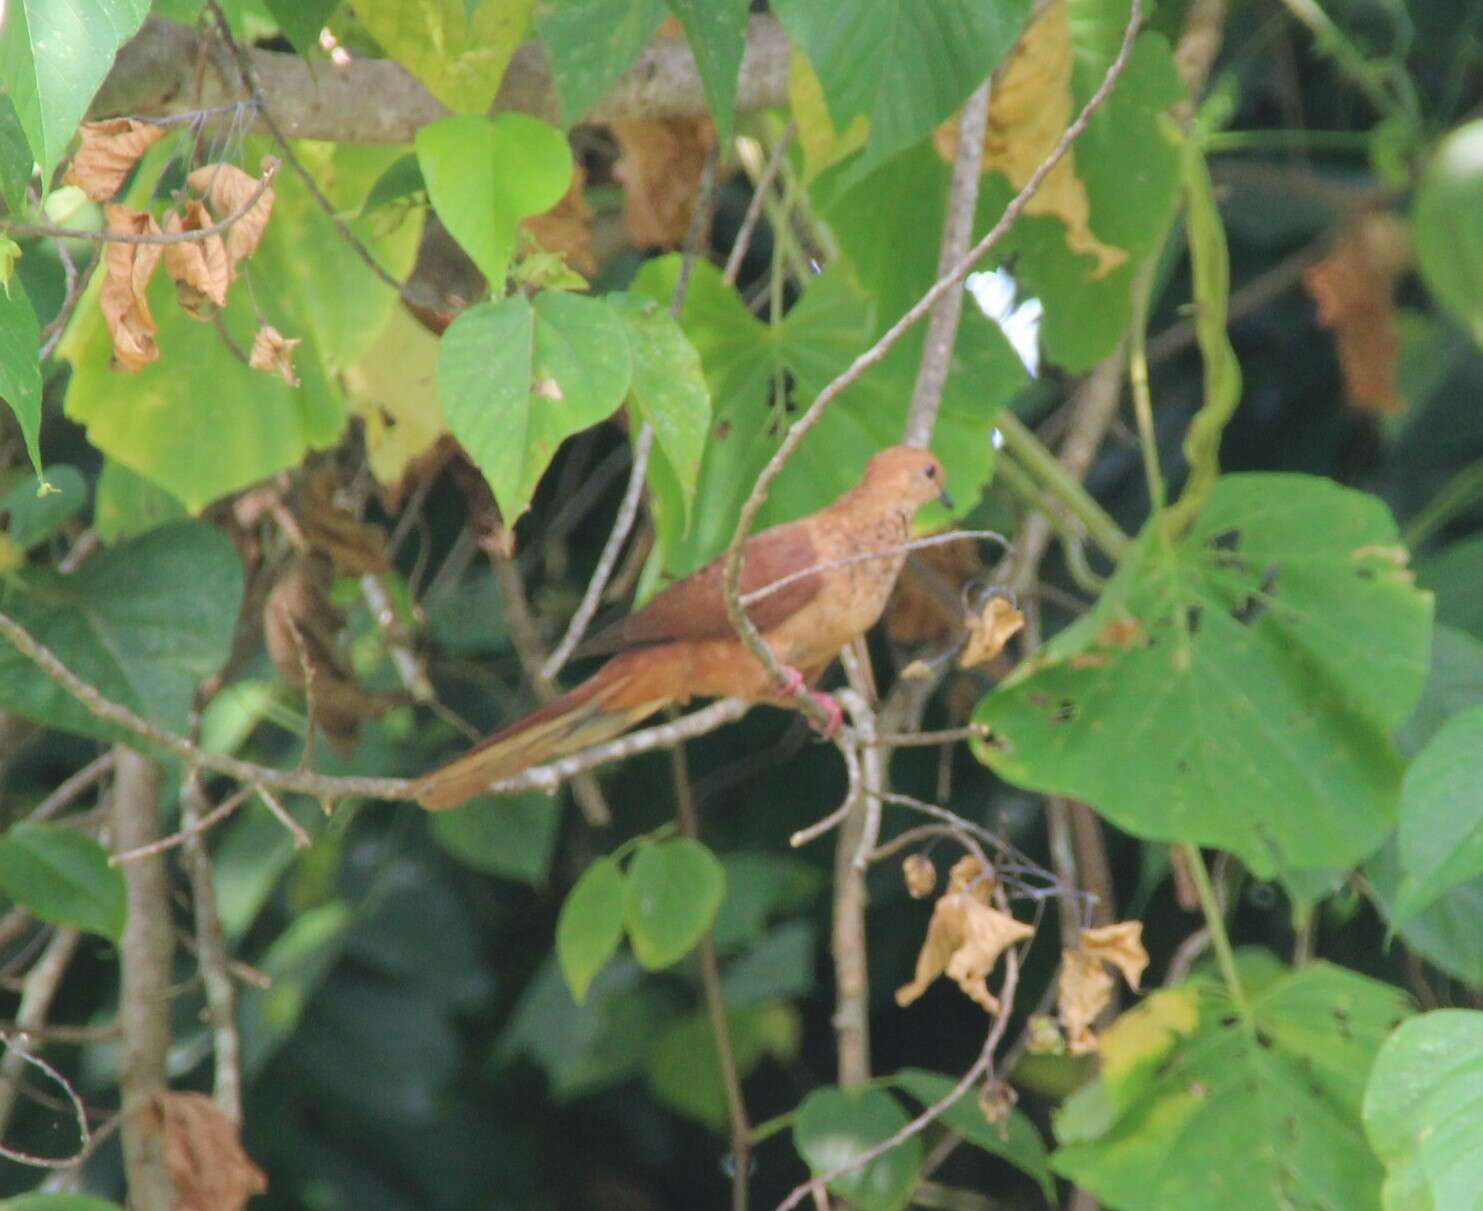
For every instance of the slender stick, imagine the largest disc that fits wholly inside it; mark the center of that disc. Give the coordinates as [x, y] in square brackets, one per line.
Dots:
[1215, 922]
[764, 182]
[38, 991]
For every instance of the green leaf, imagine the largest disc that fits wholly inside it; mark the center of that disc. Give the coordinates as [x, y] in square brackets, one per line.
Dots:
[485, 175]
[142, 623]
[127, 504]
[1441, 822]
[1231, 1117]
[1452, 574]
[516, 379]
[460, 56]
[834, 1126]
[590, 926]
[685, 1070]
[1017, 1142]
[781, 964]
[591, 43]
[54, 55]
[20, 369]
[670, 393]
[670, 898]
[717, 33]
[1424, 1115]
[1237, 688]
[1447, 226]
[760, 887]
[57, 1202]
[16, 161]
[302, 20]
[402, 179]
[62, 876]
[1447, 932]
[298, 961]
[1453, 683]
[512, 836]
[308, 283]
[37, 508]
[904, 64]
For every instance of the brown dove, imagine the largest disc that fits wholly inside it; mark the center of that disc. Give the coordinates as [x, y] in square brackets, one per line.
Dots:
[806, 590]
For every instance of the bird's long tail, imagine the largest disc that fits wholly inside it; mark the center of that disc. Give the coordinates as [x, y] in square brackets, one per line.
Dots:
[599, 709]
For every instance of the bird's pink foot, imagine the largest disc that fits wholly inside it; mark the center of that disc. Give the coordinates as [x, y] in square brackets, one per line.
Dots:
[792, 682]
[829, 704]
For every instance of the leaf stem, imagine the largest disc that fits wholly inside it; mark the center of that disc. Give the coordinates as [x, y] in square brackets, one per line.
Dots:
[1215, 921]
[1044, 467]
[1138, 381]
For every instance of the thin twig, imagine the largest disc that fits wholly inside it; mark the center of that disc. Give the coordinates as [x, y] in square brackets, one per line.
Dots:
[194, 827]
[31, 230]
[79, 1111]
[951, 735]
[73, 788]
[764, 182]
[37, 994]
[878, 351]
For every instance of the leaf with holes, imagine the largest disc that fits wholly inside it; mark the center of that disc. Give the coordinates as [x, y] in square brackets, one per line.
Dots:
[62, 876]
[1229, 1116]
[1424, 1115]
[518, 378]
[670, 898]
[1238, 686]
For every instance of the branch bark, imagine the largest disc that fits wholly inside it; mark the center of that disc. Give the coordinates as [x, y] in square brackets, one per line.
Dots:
[144, 983]
[378, 101]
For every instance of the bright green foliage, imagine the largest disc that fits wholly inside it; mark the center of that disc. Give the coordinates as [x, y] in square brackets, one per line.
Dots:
[1424, 1115]
[590, 926]
[1237, 687]
[36, 512]
[717, 33]
[53, 56]
[1441, 822]
[670, 898]
[1016, 1141]
[906, 65]
[512, 836]
[1447, 218]
[670, 393]
[459, 56]
[518, 378]
[685, 1071]
[127, 504]
[834, 1126]
[62, 876]
[16, 160]
[20, 373]
[467, 162]
[302, 20]
[1211, 1110]
[591, 43]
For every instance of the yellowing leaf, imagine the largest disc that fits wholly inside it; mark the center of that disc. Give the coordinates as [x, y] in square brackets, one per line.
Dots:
[123, 298]
[108, 152]
[1030, 107]
[199, 267]
[228, 189]
[822, 144]
[1121, 945]
[965, 938]
[989, 631]
[273, 352]
[1148, 1032]
[394, 390]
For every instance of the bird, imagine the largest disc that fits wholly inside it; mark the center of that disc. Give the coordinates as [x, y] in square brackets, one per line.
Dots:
[810, 587]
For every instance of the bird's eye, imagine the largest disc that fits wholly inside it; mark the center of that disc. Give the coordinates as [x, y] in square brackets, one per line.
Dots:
[930, 472]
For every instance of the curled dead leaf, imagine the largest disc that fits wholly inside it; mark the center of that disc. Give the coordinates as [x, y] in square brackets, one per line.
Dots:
[1354, 289]
[964, 938]
[356, 548]
[1120, 945]
[996, 1101]
[108, 152]
[228, 189]
[124, 295]
[566, 229]
[199, 266]
[989, 630]
[920, 876]
[274, 352]
[1030, 106]
[203, 1154]
[659, 166]
[1084, 990]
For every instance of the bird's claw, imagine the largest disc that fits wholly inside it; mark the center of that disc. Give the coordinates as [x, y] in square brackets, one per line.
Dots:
[792, 682]
[829, 704]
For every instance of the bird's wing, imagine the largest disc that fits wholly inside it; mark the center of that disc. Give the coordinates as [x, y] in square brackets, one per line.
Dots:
[695, 608]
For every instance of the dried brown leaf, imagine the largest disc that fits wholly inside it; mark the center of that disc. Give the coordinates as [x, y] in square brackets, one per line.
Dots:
[659, 166]
[989, 630]
[124, 295]
[355, 547]
[228, 189]
[566, 229]
[1084, 990]
[274, 352]
[1354, 288]
[920, 876]
[1030, 107]
[1120, 945]
[108, 152]
[203, 1154]
[964, 938]
[199, 266]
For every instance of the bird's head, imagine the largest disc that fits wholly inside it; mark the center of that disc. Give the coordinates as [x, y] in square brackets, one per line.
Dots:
[908, 475]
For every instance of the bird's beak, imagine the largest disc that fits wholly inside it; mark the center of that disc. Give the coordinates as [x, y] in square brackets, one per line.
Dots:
[945, 498]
